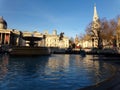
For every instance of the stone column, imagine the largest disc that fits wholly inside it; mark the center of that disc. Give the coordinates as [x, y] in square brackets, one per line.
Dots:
[5, 39]
[8, 39]
[1, 38]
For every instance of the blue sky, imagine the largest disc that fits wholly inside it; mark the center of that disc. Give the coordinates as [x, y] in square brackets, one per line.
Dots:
[68, 16]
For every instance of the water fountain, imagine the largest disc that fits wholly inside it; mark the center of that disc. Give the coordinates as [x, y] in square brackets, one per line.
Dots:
[32, 49]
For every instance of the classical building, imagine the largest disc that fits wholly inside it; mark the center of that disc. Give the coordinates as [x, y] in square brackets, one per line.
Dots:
[13, 37]
[48, 40]
[8, 37]
[4, 32]
[52, 40]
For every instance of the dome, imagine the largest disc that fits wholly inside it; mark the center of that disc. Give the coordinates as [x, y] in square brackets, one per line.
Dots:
[3, 23]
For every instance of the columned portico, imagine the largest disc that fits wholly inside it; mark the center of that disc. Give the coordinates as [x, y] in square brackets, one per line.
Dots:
[4, 32]
[4, 38]
[13, 37]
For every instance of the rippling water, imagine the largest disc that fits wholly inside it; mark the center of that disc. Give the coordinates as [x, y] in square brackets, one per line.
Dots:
[55, 72]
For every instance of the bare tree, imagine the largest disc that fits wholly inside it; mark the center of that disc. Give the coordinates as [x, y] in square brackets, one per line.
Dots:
[107, 29]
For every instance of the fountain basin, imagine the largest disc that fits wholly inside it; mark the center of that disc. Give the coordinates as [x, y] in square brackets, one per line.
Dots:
[24, 50]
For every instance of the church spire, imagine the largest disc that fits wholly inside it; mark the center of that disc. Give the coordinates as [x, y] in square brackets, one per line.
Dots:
[95, 16]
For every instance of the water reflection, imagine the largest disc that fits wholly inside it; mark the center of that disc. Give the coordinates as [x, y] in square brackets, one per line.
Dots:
[3, 66]
[58, 62]
[55, 72]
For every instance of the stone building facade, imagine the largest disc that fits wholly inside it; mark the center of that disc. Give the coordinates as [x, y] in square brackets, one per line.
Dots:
[48, 40]
[52, 40]
[4, 32]
[12, 37]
